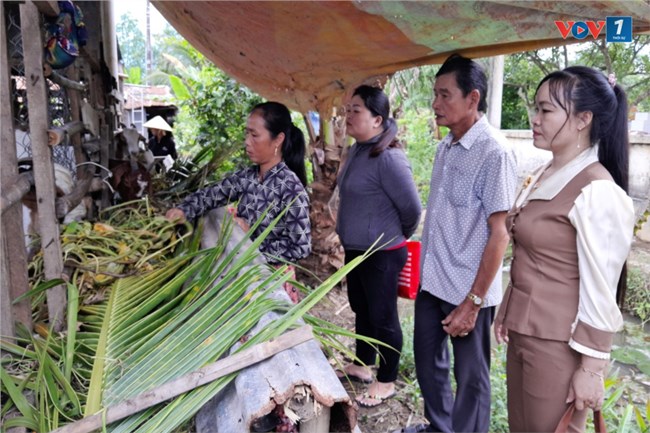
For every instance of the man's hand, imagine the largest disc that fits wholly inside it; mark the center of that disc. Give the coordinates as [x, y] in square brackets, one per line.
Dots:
[461, 320]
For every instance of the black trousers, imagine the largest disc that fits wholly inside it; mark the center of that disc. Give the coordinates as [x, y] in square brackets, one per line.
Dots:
[372, 292]
[470, 410]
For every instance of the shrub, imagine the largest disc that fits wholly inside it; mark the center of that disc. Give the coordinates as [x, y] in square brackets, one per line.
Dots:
[637, 298]
[420, 148]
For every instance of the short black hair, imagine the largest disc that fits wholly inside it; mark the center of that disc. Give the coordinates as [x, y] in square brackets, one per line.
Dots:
[469, 76]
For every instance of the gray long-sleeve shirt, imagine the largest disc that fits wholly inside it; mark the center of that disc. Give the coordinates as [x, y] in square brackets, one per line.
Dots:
[378, 197]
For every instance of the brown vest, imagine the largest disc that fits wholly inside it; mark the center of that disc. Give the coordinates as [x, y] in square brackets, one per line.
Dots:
[542, 297]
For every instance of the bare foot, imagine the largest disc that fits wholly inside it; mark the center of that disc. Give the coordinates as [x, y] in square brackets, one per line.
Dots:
[377, 393]
[360, 372]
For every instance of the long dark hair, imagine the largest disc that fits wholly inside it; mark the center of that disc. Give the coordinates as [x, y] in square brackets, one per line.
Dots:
[277, 119]
[578, 89]
[376, 101]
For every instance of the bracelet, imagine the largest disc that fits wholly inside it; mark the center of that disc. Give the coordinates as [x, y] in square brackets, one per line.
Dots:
[593, 373]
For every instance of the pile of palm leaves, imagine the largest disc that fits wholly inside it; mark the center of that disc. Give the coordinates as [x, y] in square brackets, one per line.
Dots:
[169, 313]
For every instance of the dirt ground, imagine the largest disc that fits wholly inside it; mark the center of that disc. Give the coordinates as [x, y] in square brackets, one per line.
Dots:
[405, 409]
[393, 414]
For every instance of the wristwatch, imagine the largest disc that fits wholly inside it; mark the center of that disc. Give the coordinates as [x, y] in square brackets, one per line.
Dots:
[476, 300]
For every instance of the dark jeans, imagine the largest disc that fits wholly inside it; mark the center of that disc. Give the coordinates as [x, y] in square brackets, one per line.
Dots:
[470, 410]
[372, 291]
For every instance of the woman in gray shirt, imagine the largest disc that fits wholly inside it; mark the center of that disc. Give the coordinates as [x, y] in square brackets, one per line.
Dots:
[378, 200]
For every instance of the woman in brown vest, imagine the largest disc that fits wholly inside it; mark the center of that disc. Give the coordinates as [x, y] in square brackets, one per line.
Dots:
[571, 229]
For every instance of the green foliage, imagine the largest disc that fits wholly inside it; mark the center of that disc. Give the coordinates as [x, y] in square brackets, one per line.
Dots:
[513, 114]
[642, 220]
[619, 410]
[411, 389]
[499, 404]
[421, 145]
[213, 108]
[134, 75]
[412, 89]
[220, 107]
[629, 61]
[151, 328]
[637, 296]
[131, 42]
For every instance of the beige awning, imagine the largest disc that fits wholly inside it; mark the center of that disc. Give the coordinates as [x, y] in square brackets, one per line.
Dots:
[308, 54]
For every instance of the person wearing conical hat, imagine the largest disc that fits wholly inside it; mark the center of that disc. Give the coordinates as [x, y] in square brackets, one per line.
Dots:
[161, 142]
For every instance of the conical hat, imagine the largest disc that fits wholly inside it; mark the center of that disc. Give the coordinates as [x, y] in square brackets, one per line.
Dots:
[158, 123]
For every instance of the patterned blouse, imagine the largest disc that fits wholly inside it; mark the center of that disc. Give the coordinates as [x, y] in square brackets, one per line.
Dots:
[290, 239]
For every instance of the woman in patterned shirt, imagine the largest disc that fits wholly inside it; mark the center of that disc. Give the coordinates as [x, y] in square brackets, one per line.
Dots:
[277, 179]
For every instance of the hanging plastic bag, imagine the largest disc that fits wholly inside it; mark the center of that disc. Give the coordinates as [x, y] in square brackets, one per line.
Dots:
[64, 35]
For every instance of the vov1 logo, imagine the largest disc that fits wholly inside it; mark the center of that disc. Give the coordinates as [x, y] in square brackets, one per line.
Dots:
[580, 29]
[619, 29]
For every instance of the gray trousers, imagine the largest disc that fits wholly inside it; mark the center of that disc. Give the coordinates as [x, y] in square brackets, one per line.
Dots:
[469, 411]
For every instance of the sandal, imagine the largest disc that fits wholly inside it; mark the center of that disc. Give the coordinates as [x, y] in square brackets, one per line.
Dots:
[416, 428]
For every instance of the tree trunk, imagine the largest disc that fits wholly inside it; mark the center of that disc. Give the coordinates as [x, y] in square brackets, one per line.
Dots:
[326, 153]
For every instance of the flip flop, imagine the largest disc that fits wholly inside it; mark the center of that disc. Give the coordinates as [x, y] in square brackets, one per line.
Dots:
[417, 428]
[343, 375]
[379, 399]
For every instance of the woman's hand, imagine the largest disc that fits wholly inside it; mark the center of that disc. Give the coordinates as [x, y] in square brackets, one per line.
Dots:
[241, 222]
[175, 215]
[587, 385]
[500, 332]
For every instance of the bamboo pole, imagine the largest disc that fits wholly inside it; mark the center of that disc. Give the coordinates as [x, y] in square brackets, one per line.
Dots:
[30, 23]
[190, 381]
[13, 254]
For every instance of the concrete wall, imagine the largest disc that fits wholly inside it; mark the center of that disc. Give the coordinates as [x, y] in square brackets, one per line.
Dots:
[529, 158]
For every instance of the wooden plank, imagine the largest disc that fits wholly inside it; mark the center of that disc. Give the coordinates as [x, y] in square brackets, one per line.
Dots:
[49, 8]
[14, 255]
[75, 113]
[188, 382]
[30, 20]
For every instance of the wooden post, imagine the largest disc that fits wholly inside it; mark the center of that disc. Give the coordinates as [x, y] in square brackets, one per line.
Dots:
[14, 255]
[30, 21]
[190, 381]
[75, 112]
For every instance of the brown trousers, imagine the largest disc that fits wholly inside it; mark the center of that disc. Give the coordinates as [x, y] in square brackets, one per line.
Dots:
[539, 373]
